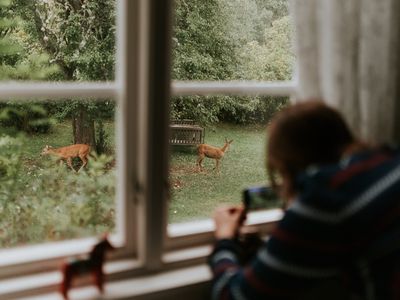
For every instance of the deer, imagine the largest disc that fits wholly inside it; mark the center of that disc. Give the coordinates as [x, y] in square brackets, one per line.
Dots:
[204, 150]
[69, 152]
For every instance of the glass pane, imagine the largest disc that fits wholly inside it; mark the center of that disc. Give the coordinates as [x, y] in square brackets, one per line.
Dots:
[232, 40]
[57, 40]
[196, 191]
[47, 193]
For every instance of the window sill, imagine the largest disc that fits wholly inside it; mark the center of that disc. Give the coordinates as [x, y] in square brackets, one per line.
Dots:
[204, 226]
[127, 279]
[43, 287]
[46, 257]
[43, 282]
[197, 233]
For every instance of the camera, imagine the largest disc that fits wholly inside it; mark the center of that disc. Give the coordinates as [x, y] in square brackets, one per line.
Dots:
[259, 197]
[254, 198]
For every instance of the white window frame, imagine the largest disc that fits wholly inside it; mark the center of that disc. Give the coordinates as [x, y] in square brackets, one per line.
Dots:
[143, 88]
[129, 90]
[190, 234]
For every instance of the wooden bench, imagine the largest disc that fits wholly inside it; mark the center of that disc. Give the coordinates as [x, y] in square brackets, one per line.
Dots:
[186, 133]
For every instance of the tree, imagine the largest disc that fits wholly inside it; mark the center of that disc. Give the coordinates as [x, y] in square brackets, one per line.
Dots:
[18, 63]
[230, 39]
[15, 61]
[201, 49]
[79, 36]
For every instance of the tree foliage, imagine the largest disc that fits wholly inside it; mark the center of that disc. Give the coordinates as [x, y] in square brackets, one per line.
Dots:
[213, 40]
[202, 50]
[35, 209]
[79, 37]
[18, 61]
[231, 40]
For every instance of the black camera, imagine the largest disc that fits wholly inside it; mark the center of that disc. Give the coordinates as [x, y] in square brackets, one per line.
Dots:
[259, 197]
[255, 198]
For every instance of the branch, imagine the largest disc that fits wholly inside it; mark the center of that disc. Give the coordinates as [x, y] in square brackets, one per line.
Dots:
[76, 4]
[50, 46]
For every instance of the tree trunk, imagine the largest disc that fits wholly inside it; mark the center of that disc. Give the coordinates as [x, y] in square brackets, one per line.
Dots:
[83, 128]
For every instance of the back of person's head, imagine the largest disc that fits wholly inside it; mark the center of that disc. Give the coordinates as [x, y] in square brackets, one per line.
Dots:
[301, 135]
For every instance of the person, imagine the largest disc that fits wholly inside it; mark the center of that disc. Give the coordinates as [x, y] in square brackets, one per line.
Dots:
[341, 223]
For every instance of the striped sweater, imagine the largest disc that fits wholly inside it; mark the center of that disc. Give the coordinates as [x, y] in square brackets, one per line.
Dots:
[343, 226]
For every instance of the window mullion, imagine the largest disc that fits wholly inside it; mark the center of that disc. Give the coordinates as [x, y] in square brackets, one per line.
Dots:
[57, 90]
[154, 85]
[127, 60]
[235, 88]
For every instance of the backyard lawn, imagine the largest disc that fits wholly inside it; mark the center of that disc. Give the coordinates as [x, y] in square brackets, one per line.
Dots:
[45, 202]
[195, 194]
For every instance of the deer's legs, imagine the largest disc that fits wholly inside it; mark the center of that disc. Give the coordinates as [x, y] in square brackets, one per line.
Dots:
[216, 165]
[199, 161]
[84, 161]
[69, 163]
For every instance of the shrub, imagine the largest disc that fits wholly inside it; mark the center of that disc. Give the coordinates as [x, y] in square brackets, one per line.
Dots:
[102, 145]
[236, 110]
[49, 202]
[25, 117]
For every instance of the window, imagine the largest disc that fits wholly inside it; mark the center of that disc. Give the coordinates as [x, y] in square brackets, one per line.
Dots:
[59, 43]
[141, 91]
[232, 73]
[50, 208]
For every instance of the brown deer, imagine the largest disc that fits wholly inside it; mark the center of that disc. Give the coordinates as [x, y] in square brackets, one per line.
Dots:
[205, 150]
[69, 152]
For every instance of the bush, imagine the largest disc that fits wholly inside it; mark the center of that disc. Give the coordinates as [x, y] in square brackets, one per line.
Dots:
[235, 110]
[102, 145]
[25, 117]
[254, 110]
[48, 202]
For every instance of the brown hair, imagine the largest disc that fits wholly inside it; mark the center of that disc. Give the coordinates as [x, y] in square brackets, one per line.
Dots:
[303, 134]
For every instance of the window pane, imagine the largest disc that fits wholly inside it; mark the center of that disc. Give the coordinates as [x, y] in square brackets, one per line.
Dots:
[195, 192]
[43, 198]
[232, 40]
[58, 40]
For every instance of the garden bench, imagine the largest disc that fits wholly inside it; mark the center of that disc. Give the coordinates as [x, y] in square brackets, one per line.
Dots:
[186, 133]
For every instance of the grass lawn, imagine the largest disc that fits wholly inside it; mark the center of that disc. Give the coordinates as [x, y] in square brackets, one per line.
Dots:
[59, 136]
[195, 194]
[40, 201]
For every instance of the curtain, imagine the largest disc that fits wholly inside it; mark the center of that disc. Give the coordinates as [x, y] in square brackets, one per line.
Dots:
[347, 54]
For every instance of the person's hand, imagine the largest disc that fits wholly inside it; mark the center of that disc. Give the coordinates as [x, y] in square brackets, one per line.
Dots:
[227, 220]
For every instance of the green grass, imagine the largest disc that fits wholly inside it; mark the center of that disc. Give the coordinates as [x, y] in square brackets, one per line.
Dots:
[195, 194]
[59, 136]
[40, 201]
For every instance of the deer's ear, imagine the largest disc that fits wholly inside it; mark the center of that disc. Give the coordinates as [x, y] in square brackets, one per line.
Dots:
[230, 142]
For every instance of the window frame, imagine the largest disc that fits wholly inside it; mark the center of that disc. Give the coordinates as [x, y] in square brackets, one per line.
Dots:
[47, 256]
[189, 234]
[142, 89]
